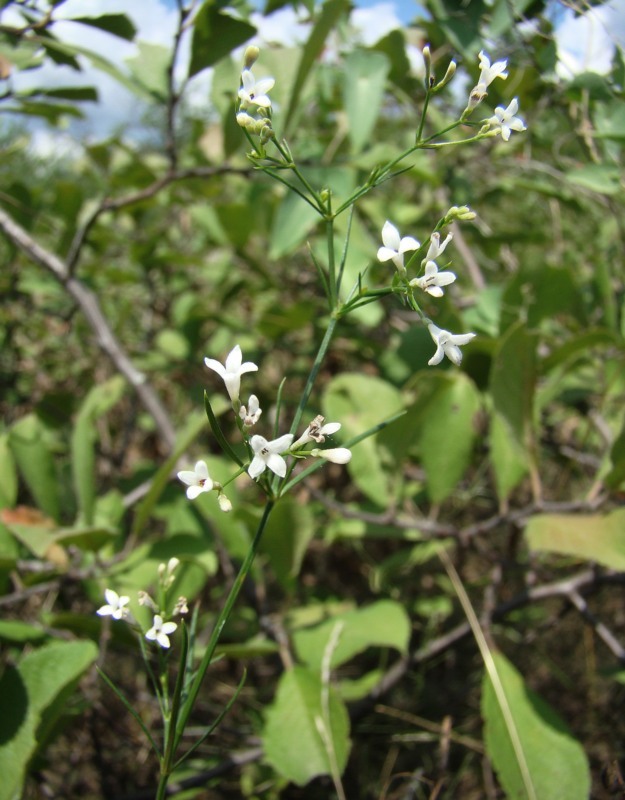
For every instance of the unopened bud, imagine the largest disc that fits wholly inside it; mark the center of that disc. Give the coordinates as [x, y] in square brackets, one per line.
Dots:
[451, 71]
[224, 503]
[427, 58]
[251, 55]
[181, 607]
[460, 212]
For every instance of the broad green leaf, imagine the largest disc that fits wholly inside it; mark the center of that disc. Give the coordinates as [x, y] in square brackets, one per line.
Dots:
[596, 537]
[98, 61]
[215, 35]
[382, 624]
[331, 12]
[9, 550]
[117, 24]
[512, 380]
[556, 762]
[291, 739]
[510, 462]
[32, 698]
[285, 540]
[17, 631]
[27, 439]
[149, 68]
[84, 439]
[364, 79]
[598, 178]
[294, 221]
[448, 433]
[8, 474]
[359, 402]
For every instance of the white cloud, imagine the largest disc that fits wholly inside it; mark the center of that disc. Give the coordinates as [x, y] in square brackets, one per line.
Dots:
[588, 42]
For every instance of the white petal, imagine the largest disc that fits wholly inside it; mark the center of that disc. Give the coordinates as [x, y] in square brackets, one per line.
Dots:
[257, 467]
[248, 81]
[187, 476]
[163, 640]
[169, 627]
[233, 359]
[408, 243]
[390, 236]
[445, 278]
[513, 107]
[112, 598]
[434, 291]
[201, 470]
[276, 464]
[338, 455]
[257, 443]
[281, 444]
[454, 354]
[264, 85]
[329, 428]
[247, 367]
[437, 357]
[195, 491]
[461, 338]
[211, 363]
[386, 254]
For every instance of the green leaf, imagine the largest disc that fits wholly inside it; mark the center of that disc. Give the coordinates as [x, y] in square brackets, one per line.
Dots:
[616, 476]
[364, 79]
[215, 35]
[360, 402]
[596, 537]
[556, 762]
[598, 178]
[33, 696]
[8, 474]
[16, 631]
[117, 24]
[331, 12]
[289, 531]
[149, 68]
[382, 624]
[294, 221]
[28, 444]
[509, 459]
[512, 380]
[84, 438]
[448, 433]
[291, 739]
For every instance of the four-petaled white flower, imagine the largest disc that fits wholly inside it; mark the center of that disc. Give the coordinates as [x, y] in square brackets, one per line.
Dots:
[436, 246]
[115, 605]
[338, 455]
[253, 92]
[251, 414]
[159, 632]
[488, 73]
[198, 480]
[232, 371]
[267, 454]
[317, 432]
[447, 344]
[395, 246]
[505, 120]
[432, 280]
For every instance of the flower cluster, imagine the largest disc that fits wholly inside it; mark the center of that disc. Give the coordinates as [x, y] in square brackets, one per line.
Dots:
[116, 606]
[253, 103]
[264, 453]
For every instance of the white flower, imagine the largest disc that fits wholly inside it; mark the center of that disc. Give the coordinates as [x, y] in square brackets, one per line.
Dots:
[159, 632]
[251, 414]
[198, 480]
[488, 74]
[505, 120]
[394, 246]
[436, 246]
[115, 605]
[316, 432]
[338, 455]
[224, 503]
[267, 454]
[232, 371]
[253, 92]
[432, 280]
[447, 344]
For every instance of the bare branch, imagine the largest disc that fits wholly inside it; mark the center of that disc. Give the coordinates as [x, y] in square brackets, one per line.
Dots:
[90, 306]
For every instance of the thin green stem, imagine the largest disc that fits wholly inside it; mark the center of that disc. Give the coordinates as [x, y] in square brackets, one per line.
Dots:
[331, 262]
[426, 103]
[189, 702]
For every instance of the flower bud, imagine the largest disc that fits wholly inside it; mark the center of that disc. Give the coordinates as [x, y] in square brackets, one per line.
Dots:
[251, 55]
[451, 71]
[427, 58]
[460, 212]
[337, 455]
[224, 503]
